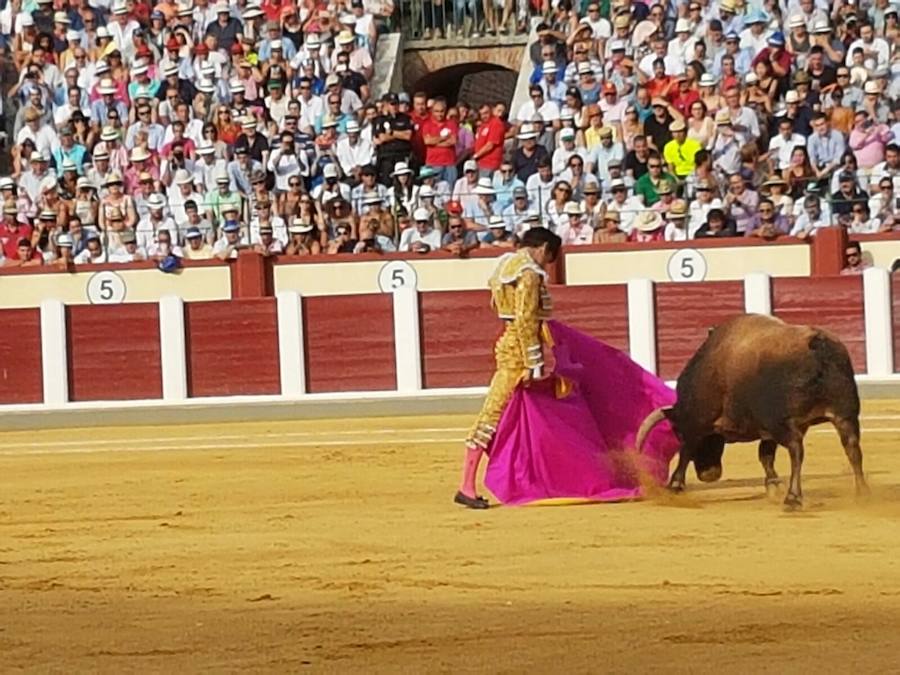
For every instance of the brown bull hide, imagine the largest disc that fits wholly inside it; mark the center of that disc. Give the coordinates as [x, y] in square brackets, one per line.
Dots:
[758, 378]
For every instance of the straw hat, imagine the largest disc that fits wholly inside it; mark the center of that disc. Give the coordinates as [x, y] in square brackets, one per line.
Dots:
[678, 209]
[647, 221]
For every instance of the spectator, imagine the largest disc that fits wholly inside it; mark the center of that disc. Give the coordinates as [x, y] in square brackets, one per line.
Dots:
[811, 220]
[610, 232]
[197, 247]
[498, 234]
[459, 240]
[853, 259]
[574, 231]
[423, 238]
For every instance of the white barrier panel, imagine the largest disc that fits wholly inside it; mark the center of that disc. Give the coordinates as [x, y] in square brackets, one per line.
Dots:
[758, 293]
[407, 339]
[54, 353]
[642, 323]
[879, 323]
[291, 361]
[172, 348]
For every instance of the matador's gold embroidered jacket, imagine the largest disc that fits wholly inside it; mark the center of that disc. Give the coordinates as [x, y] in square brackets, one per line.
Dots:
[519, 295]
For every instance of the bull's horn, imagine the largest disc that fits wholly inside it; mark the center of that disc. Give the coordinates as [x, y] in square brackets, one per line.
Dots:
[647, 425]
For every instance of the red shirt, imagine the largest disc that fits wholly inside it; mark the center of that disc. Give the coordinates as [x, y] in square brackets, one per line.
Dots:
[492, 131]
[683, 100]
[418, 146]
[783, 57]
[439, 155]
[9, 238]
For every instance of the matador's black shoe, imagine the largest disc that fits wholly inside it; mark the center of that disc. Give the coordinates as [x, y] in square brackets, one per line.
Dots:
[471, 502]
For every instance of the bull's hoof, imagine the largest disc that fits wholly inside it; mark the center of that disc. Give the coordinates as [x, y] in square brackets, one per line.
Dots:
[793, 502]
[863, 491]
[710, 474]
[676, 486]
[773, 487]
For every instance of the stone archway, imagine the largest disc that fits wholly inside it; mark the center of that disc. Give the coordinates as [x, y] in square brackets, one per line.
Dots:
[475, 83]
[462, 71]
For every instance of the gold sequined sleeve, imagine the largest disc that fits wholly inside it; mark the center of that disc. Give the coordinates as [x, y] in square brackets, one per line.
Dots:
[527, 321]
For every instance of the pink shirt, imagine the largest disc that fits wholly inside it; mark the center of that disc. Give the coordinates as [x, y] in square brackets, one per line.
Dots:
[868, 145]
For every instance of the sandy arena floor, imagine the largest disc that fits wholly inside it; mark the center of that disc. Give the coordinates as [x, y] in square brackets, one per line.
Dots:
[334, 547]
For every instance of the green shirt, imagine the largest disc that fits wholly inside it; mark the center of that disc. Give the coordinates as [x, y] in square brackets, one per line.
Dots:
[644, 187]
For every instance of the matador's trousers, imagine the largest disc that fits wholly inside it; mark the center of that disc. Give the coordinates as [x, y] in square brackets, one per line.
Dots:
[510, 370]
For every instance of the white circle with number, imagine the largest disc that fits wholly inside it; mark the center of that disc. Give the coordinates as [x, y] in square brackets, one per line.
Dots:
[397, 274]
[106, 288]
[687, 264]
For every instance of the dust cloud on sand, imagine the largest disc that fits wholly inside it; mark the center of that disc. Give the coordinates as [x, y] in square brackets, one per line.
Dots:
[284, 547]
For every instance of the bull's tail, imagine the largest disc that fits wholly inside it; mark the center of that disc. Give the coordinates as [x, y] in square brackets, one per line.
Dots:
[647, 425]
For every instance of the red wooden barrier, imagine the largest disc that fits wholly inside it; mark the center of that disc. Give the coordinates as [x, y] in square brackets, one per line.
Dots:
[895, 318]
[21, 379]
[600, 311]
[232, 347]
[832, 303]
[684, 315]
[458, 331]
[349, 343]
[113, 352]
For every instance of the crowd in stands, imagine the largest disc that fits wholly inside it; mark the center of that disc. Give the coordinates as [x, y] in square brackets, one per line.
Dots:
[142, 132]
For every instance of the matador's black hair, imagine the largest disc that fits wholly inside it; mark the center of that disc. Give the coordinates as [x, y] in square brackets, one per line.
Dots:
[538, 236]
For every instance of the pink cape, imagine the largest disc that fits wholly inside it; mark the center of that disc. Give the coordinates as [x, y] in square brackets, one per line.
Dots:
[581, 446]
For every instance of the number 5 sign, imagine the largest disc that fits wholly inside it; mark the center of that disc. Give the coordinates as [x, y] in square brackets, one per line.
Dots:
[687, 264]
[106, 288]
[397, 274]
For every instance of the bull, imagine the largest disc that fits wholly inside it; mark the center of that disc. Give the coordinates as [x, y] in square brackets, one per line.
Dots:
[756, 378]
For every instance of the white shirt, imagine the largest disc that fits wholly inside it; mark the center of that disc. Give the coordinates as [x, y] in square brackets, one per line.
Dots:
[412, 235]
[674, 64]
[879, 46]
[353, 156]
[146, 230]
[575, 237]
[781, 148]
[697, 213]
[549, 112]
[673, 233]
[279, 231]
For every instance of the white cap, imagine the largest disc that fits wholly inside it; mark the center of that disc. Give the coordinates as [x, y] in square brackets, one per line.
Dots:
[682, 26]
[352, 127]
[421, 214]
[205, 149]
[549, 67]
[182, 177]
[792, 96]
[796, 21]
[426, 191]
[330, 171]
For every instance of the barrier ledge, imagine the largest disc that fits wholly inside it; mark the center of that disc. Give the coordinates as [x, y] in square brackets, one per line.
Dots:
[220, 409]
[554, 270]
[343, 405]
[108, 267]
[696, 260]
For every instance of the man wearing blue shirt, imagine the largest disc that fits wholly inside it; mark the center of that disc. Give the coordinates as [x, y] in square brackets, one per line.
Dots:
[825, 146]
